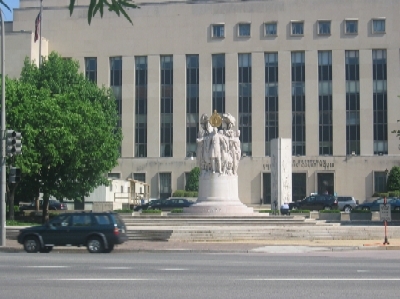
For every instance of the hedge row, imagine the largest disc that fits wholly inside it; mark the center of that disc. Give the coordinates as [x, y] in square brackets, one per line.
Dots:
[183, 193]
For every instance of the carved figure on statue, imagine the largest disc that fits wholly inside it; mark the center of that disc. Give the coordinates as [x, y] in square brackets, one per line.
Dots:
[215, 151]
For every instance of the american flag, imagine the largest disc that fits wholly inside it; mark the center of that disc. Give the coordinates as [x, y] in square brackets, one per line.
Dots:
[38, 21]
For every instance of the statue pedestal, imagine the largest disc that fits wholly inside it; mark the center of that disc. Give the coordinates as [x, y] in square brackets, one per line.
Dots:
[218, 194]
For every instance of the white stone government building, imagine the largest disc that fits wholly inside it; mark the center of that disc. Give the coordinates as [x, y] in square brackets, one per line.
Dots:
[325, 73]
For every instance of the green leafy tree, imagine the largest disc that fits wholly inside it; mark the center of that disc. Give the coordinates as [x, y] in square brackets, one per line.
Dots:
[192, 183]
[69, 130]
[98, 6]
[393, 181]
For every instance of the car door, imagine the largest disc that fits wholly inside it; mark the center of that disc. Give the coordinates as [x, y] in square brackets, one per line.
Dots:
[57, 230]
[376, 204]
[81, 226]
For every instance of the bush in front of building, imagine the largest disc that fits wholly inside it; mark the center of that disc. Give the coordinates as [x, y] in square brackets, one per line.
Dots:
[151, 211]
[177, 211]
[192, 183]
[179, 193]
[393, 181]
[183, 193]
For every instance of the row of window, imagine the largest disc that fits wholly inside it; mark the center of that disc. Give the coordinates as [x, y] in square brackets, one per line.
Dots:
[299, 183]
[378, 26]
[245, 100]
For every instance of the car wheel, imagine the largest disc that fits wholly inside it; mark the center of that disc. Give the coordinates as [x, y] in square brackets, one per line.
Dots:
[46, 249]
[95, 245]
[327, 208]
[347, 209]
[109, 249]
[31, 244]
[365, 209]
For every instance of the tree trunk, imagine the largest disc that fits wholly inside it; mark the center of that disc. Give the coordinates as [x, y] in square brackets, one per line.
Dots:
[45, 208]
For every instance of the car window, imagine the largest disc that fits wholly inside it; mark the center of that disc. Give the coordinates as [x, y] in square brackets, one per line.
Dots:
[102, 219]
[81, 220]
[118, 220]
[61, 220]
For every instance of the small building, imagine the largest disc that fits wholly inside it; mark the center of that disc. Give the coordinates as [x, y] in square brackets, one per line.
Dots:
[121, 193]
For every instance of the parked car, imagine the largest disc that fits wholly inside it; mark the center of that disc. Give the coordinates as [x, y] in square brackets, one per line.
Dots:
[53, 205]
[164, 204]
[375, 204]
[315, 202]
[99, 232]
[346, 203]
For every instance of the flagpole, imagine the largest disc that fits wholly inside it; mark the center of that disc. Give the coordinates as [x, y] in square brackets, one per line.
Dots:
[40, 34]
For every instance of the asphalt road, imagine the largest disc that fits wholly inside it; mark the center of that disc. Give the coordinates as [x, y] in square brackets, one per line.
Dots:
[360, 274]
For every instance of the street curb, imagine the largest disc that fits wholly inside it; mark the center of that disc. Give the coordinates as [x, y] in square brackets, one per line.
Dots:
[320, 249]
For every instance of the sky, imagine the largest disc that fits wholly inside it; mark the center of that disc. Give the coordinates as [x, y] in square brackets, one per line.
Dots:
[8, 16]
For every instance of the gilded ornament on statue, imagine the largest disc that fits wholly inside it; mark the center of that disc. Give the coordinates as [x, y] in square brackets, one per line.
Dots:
[215, 119]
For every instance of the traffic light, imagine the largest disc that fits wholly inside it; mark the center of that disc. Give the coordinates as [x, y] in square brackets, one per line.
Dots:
[14, 143]
[15, 175]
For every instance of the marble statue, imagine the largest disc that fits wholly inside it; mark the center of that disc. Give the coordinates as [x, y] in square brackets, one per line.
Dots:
[218, 151]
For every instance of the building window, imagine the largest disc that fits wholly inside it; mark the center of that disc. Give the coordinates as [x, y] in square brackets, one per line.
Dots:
[245, 101]
[379, 83]
[116, 84]
[271, 99]
[325, 102]
[298, 104]
[192, 104]
[165, 185]
[244, 30]
[378, 26]
[324, 27]
[141, 106]
[139, 176]
[380, 181]
[352, 66]
[270, 29]
[91, 69]
[218, 82]
[114, 175]
[218, 30]
[297, 27]
[166, 66]
[351, 26]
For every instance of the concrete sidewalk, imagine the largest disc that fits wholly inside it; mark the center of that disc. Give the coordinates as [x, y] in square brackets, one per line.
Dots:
[262, 246]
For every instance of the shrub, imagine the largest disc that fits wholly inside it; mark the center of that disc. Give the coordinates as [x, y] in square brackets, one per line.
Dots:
[191, 194]
[151, 211]
[16, 209]
[299, 211]
[394, 193]
[179, 193]
[123, 211]
[393, 180]
[192, 183]
[329, 211]
[177, 211]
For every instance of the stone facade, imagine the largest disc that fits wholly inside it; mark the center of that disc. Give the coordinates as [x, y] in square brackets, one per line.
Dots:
[182, 28]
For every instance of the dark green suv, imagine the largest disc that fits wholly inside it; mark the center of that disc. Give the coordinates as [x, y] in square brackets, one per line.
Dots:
[99, 232]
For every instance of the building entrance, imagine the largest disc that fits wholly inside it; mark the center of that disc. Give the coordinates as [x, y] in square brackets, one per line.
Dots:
[326, 183]
[266, 195]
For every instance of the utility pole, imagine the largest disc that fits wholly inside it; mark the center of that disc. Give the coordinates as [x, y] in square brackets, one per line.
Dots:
[3, 139]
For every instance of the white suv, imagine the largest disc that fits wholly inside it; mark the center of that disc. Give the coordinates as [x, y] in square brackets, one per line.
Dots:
[346, 203]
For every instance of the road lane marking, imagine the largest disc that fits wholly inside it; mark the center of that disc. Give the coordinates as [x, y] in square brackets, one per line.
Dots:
[45, 267]
[96, 279]
[117, 268]
[173, 269]
[321, 279]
